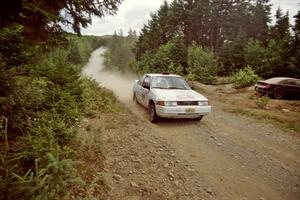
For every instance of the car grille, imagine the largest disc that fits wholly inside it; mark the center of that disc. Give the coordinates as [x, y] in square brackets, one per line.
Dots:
[187, 103]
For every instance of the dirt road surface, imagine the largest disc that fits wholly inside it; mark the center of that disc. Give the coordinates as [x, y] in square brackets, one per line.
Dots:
[235, 157]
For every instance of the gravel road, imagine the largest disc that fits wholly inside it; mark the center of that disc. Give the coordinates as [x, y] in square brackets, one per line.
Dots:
[238, 157]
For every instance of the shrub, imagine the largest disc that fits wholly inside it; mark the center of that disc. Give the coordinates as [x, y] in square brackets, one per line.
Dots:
[244, 78]
[49, 182]
[202, 65]
[262, 102]
[95, 98]
[169, 57]
[42, 98]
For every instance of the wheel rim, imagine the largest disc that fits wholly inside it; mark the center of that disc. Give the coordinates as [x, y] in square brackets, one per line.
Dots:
[278, 94]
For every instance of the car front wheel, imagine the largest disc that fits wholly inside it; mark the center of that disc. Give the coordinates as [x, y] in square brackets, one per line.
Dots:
[153, 117]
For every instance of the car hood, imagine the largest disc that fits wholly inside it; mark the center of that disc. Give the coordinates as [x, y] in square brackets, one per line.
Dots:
[178, 95]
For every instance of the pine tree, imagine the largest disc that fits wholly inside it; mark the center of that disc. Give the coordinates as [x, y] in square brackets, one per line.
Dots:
[281, 29]
[260, 19]
[295, 48]
[44, 16]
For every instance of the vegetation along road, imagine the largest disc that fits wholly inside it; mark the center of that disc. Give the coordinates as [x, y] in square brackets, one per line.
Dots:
[225, 156]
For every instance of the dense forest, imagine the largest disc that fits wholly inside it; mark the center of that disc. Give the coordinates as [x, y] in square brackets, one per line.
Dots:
[119, 54]
[205, 37]
[208, 38]
[43, 96]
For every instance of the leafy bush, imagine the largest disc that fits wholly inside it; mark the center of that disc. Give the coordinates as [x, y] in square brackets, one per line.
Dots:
[202, 65]
[170, 57]
[49, 182]
[95, 98]
[262, 102]
[244, 78]
[231, 55]
[120, 51]
[43, 100]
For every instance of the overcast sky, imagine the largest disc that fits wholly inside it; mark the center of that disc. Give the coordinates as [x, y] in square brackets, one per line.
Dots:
[135, 13]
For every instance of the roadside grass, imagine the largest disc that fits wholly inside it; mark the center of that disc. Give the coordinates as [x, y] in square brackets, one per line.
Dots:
[283, 120]
[282, 113]
[104, 115]
[42, 113]
[223, 80]
[197, 86]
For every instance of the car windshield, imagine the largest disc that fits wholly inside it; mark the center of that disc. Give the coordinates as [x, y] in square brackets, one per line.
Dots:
[169, 82]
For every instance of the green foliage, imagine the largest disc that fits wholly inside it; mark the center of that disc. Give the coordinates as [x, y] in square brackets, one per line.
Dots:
[259, 57]
[119, 53]
[202, 65]
[281, 28]
[244, 78]
[44, 17]
[272, 60]
[255, 54]
[232, 56]
[170, 57]
[295, 48]
[94, 98]
[227, 30]
[6, 166]
[262, 102]
[161, 28]
[43, 106]
[49, 182]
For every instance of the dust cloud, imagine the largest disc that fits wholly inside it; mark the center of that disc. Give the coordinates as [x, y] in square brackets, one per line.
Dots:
[120, 84]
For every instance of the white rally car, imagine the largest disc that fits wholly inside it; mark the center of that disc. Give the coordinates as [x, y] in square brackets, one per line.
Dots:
[169, 95]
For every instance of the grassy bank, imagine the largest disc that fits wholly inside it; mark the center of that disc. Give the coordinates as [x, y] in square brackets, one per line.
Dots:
[287, 121]
[42, 104]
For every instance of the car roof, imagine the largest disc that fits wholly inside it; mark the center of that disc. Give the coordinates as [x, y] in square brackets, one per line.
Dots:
[278, 79]
[163, 74]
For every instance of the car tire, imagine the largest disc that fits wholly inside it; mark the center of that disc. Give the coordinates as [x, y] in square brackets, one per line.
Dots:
[198, 118]
[153, 117]
[278, 93]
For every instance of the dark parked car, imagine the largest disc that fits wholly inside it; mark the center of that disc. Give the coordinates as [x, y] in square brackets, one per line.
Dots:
[279, 87]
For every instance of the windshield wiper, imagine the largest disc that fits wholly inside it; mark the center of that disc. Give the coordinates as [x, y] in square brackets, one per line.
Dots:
[159, 87]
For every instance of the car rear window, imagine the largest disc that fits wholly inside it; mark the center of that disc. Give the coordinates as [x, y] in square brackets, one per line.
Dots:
[275, 80]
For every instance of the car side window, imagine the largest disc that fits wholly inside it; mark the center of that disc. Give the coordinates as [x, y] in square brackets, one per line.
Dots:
[140, 82]
[146, 82]
[289, 82]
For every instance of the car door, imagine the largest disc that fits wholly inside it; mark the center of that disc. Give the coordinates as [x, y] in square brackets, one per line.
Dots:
[291, 86]
[144, 92]
[139, 89]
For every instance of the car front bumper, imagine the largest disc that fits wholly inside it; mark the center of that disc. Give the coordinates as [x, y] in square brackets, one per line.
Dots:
[182, 111]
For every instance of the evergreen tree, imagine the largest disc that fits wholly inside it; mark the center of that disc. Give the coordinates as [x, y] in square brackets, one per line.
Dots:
[281, 29]
[295, 48]
[225, 27]
[260, 19]
[41, 17]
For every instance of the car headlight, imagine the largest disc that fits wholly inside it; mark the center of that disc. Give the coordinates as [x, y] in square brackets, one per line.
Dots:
[170, 103]
[203, 103]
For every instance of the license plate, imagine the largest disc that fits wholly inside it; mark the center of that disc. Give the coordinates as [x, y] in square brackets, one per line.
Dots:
[190, 110]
